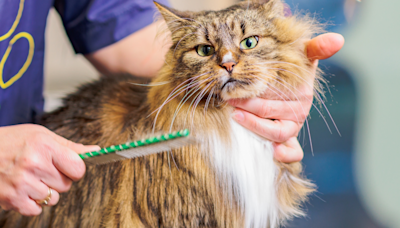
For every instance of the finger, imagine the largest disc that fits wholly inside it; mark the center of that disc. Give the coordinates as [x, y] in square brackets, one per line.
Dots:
[29, 208]
[324, 46]
[40, 191]
[56, 180]
[68, 162]
[274, 109]
[276, 131]
[42, 167]
[288, 152]
[78, 148]
[55, 197]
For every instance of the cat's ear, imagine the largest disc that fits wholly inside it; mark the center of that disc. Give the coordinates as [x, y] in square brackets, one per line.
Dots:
[275, 7]
[173, 17]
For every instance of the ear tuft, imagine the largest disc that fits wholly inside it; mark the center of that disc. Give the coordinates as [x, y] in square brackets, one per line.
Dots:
[276, 7]
[173, 17]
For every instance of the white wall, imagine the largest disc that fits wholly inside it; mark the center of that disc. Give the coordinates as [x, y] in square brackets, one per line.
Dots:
[372, 49]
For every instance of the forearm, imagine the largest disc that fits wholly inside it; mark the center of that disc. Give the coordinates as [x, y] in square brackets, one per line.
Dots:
[140, 54]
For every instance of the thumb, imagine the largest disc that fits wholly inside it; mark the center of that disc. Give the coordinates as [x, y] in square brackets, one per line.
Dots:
[80, 148]
[324, 46]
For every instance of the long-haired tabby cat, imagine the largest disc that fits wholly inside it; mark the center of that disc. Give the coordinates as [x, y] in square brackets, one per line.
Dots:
[229, 178]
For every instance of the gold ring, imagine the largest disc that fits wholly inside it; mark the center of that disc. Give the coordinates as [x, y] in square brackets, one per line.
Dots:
[47, 199]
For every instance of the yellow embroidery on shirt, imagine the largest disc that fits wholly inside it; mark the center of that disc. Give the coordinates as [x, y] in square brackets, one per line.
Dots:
[14, 39]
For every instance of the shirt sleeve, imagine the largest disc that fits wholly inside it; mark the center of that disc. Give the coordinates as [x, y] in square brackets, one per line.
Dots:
[94, 24]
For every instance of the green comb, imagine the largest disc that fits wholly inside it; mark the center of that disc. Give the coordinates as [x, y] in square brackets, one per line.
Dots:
[138, 148]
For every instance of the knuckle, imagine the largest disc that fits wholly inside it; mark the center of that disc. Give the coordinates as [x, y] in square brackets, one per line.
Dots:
[301, 155]
[5, 207]
[40, 129]
[7, 201]
[282, 135]
[77, 169]
[279, 154]
[65, 187]
[32, 162]
[42, 146]
[265, 110]
[259, 128]
[10, 201]
[80, 170]
[30, 210]
[20, 181]
[55, 199]
[302, 116]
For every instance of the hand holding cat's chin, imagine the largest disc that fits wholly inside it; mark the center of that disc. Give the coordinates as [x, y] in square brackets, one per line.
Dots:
[280, 121]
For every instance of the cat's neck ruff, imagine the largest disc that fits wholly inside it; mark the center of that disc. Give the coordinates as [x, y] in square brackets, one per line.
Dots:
[247, 173]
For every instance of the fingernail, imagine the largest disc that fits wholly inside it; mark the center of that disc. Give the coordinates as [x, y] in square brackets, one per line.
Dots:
[93, 148]
[238, 116]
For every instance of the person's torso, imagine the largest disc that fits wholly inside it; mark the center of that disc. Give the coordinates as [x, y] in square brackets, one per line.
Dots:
[22, 30]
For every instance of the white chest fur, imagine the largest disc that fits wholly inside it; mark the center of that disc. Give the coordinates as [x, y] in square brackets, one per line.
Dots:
[247, 169]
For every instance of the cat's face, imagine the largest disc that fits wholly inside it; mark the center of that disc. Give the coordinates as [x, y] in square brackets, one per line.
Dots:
[239, 52]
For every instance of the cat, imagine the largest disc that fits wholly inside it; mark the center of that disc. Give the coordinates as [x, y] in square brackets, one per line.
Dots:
[229, 178]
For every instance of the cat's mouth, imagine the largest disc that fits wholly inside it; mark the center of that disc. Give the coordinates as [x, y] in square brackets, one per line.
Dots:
[231, 82]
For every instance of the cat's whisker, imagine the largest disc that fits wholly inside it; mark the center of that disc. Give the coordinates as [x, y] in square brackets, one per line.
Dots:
[199, 99]
[326, 108]
[206, 86]
[247, 10]
[182, 89]
[320, 113]
[181, 104]
[152, 84]
[195, 99]
[317, 94]
[309, 73]
[178, 88]
[285, 85]
[270, 85]
[159, 110]
[173, 159]
[208, 100]
[278, 78]
[291, 64]
[307, 82]
[306, 120]
[191, 78]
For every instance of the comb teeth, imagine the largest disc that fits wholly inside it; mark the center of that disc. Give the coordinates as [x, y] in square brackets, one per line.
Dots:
[147, 146]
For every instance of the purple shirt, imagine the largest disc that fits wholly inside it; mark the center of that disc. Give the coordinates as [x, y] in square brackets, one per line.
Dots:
[90, 25]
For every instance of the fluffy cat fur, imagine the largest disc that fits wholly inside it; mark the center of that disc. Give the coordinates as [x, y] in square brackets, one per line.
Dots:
[228, 179]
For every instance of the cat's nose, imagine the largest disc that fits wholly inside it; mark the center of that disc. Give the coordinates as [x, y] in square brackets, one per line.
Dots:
[228, 66]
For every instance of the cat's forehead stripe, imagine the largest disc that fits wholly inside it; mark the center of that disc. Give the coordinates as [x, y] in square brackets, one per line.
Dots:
[222, 31]
[228, 57]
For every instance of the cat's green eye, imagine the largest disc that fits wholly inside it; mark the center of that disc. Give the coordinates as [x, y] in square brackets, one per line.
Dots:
[249, 43]
[205, 50]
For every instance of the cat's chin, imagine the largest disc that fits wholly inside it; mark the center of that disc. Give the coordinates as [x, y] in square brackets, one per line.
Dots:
[237, 95]
[242, 93]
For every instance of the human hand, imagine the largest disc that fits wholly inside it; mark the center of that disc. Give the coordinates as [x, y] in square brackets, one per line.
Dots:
[278, 120]
[32, 160]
